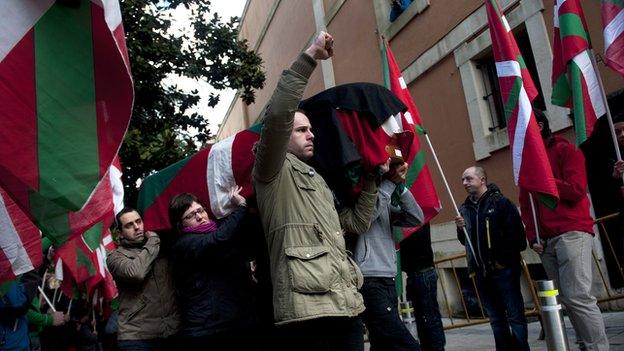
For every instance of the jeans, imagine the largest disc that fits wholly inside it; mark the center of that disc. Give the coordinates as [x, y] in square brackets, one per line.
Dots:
[502, 299]
[322, 334]
[422, 291]
[385, 328]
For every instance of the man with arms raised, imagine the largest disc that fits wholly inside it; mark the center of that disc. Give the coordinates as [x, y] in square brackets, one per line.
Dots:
[315, 282]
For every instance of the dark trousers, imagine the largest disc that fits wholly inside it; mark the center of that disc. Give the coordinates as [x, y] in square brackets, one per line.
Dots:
[502, 299]
[237, 339]
[422, 291]
[386, 330]
[322, 334]
[159, 344]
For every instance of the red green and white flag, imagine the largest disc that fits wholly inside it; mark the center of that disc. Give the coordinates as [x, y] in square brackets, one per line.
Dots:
[209, 174]
[575, 81]
[84, 256]
[613, 22]
[65, 102]
[20, 241]
[531, 167]
[418, 178]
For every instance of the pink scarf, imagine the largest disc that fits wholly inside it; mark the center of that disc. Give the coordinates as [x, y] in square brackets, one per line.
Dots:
[202, 228]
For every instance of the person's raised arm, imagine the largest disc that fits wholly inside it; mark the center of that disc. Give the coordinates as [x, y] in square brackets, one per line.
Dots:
[279, 114]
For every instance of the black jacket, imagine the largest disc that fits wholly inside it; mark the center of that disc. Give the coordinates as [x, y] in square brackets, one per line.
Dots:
[212, 279]
[506, 236]
[416, 251]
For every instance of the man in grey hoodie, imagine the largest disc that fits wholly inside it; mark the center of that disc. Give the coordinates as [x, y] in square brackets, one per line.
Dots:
[375, 253]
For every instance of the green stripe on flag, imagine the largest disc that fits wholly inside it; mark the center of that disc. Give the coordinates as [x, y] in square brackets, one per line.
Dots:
[415, 168]
[385, 66]
[619, 3]
[514, 96]
[51, 218]
[571, 24]
[66, 105]
[93, 236]
[148, 194]
[561, 91]
[521, 62]
[578, 105]
[82, 260]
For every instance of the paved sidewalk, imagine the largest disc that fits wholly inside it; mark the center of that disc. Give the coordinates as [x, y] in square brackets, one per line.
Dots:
[480, 337]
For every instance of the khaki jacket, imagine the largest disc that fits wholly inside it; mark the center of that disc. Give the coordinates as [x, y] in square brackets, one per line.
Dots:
[312, 274]
[147, 304]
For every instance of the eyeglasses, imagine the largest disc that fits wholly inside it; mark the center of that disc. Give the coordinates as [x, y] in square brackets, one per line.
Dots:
[193, 214]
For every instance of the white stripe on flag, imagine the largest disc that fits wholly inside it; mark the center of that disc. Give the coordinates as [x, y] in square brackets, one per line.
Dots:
[112, 12]
[614, 29]
[583, 61]
[402, 83]
[18, 17]
[101, 258]
[58, 269]
[505, 23]
[393, 125]
[558, 5]
[220, 177]
[11, 243]
[117, 188]
[522, 122]
[508, 69]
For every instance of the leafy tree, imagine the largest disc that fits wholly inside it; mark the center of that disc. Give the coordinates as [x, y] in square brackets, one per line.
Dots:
[163, 129]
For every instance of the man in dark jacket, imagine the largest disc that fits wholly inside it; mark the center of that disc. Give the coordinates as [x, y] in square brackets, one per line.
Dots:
[148, 313]
[496, 233]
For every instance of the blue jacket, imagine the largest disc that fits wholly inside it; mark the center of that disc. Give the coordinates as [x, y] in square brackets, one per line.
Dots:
[13, 323]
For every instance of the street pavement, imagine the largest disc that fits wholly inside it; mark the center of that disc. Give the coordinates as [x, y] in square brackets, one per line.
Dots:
[480, 337]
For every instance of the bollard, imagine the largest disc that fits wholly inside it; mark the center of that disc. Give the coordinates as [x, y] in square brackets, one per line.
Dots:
[407, 315]
[552, 318]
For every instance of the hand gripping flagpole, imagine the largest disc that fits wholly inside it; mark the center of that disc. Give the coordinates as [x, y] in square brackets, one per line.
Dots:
[448, 189]
[603, 95]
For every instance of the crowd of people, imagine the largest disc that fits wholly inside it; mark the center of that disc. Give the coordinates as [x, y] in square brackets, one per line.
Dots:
[215, 286]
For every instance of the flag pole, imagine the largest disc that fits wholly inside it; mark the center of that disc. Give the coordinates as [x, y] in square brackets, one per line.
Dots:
[448, 189]
[382, 44]
[537, 235]
[603, 95]
[46, 298]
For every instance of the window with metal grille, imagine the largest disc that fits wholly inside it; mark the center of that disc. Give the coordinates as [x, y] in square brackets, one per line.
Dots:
[491, 88]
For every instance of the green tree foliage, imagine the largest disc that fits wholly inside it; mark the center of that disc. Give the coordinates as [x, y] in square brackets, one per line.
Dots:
[163, 128]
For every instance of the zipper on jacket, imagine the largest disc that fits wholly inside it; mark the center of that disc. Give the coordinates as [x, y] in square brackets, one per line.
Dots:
[487, 232]
[477, 239]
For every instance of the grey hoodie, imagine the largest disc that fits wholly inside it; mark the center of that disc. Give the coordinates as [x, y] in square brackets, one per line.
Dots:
[375, 251]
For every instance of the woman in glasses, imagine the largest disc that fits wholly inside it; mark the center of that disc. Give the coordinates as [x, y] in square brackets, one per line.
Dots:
[211, 275]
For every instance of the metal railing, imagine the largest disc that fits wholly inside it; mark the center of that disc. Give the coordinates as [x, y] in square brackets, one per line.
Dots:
[467, 320]
[611, 295]
[483, 319]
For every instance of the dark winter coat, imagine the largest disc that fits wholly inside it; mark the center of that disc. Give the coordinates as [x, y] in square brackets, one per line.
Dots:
[495, 230]
[212, 279]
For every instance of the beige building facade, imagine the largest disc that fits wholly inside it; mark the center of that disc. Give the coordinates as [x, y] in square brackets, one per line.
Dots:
[443, 49]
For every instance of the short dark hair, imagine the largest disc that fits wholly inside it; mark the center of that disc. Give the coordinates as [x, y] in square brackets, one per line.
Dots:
[177, 206]
[121, 213]
[540, 117]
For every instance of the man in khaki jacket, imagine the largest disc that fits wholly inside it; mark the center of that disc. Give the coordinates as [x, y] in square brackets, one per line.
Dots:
[148, 314]
[315, 282]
